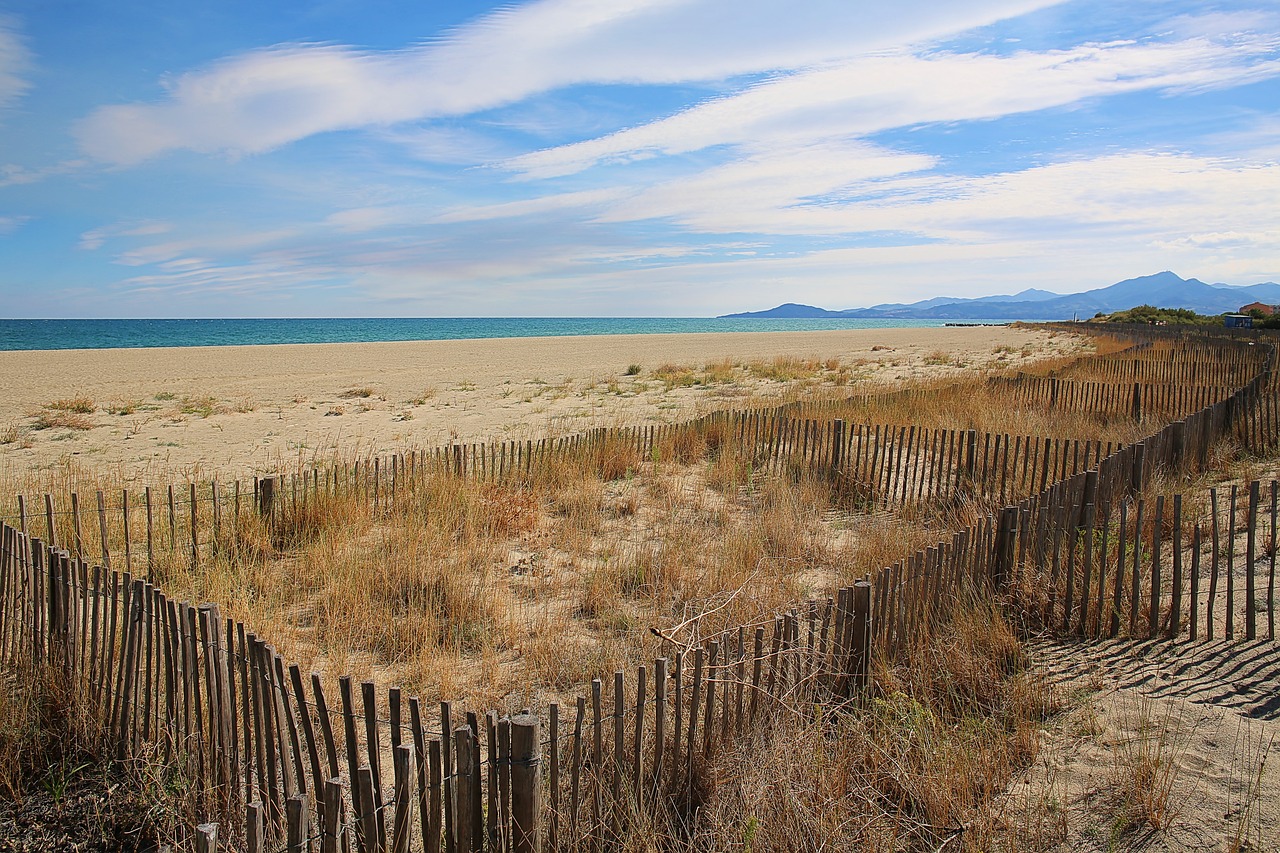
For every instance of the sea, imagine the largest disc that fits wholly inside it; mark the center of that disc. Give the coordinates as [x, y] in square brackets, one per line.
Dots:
[106, 334]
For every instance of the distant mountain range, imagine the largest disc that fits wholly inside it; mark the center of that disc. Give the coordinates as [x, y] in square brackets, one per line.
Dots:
[1163, 290]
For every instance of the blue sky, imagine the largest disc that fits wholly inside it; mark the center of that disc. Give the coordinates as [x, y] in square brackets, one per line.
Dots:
[625, 157]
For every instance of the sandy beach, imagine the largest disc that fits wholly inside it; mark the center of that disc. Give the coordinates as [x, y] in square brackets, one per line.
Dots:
[236, 410]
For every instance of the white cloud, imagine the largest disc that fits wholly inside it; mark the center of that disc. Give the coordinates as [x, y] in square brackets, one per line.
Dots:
[1145, 194]
[1223, 24]
[11, 174]
[455, 146]
[764, 192]
[364, 220]
[96, 238]
[9, 224]
[198, 277]
[1268, 240]
[262, 100]
[531, 207]
[15, 60]
[872, 94]
[223, 243]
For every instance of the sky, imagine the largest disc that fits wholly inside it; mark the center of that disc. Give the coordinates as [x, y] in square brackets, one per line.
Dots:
[625, 157]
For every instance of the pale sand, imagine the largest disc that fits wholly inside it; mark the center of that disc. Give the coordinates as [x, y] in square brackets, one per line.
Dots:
[1204, 715]
[274, 404]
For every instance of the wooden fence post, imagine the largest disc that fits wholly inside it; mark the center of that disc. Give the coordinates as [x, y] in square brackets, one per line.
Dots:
[367, 814]
[207, 838]
[50, 528]
[1178, 442]
[1135, 473]
[331, 834]
[401, 760]
[463, 793]
[266, 497]
[1002, 556]
[296, 812]
[861, 645]
[526, 792]
[1088, 497]
[102, 530]
[254, 837]
[971, 452]
[837, 444]
[75, 525]
[1251, 552]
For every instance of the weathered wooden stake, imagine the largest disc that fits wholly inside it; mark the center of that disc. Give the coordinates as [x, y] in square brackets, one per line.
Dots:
[526, 790]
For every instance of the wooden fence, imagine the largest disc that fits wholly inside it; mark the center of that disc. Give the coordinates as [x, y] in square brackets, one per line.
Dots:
[278, 765]
[177, 684]
[885, 464]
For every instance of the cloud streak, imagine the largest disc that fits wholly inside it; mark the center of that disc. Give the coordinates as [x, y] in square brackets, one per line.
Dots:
[15, 62]
[9, 224]
[873, 94]
[265, 99]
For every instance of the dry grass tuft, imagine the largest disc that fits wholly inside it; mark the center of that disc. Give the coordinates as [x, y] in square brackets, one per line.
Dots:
[1147, 766]
[12, 434]
[719, 372]
[55, 785]
[59, 419]
[202, 406]
[677, 375]
[80, 405]
[915, 768]
[362, 393]
[783, 368]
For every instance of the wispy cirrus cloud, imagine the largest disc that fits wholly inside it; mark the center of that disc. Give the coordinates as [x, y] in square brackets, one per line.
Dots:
[9, 224]
[868, 95]
[1150, 193]
[15, 62]
[96, 238]
[12, 175]
[584, 199]
[264, 99]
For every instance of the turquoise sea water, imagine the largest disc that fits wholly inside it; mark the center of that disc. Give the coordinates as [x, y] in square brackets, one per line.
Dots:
[102, 334]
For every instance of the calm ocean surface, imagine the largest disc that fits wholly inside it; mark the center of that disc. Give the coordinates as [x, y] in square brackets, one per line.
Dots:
[102, 334]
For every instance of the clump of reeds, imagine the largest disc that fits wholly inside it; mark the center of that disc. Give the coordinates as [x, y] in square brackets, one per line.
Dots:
[913, 767]
[56, 783]
[1147, 765]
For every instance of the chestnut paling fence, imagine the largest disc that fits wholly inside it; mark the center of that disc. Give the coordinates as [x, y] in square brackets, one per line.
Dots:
[275, 763]
[888, 464]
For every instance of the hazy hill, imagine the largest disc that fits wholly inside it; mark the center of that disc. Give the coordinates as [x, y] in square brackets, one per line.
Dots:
[1164, 289]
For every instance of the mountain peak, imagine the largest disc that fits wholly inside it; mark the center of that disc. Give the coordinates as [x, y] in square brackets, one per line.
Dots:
[1164, 289]
[786, 310]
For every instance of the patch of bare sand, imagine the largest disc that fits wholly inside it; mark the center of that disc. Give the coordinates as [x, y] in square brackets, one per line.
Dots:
[1164, 747]
[234, 411]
